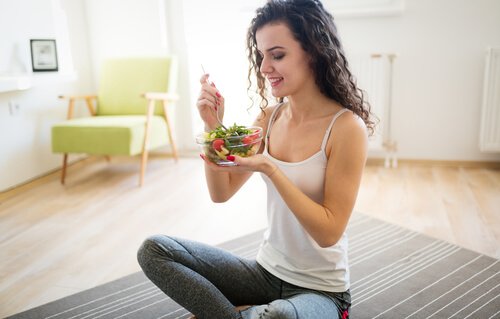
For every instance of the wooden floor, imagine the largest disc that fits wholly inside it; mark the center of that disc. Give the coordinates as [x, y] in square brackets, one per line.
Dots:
[57, 240]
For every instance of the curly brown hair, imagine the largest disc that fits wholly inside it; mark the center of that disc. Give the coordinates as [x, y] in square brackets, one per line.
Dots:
[313, 27]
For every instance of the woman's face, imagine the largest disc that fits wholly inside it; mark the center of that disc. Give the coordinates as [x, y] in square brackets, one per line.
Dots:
[284, 63]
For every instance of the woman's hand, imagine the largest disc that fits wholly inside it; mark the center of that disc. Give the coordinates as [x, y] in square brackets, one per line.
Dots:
[255, 163]
[224, 181]
[210, 101]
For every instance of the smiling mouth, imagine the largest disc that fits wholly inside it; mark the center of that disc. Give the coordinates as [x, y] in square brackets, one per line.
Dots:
[275, 81]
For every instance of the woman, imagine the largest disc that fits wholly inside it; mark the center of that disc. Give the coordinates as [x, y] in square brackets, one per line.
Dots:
[311, 160]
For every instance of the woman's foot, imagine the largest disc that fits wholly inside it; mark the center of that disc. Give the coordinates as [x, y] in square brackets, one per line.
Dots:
[240, 308]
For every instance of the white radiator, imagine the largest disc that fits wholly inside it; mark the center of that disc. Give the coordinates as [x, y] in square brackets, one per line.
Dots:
[489, 137]
[374, 74]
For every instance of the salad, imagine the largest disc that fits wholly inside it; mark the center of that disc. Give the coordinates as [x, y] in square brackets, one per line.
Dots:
[235, 140]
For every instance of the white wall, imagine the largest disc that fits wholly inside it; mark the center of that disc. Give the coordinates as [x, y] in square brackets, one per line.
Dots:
[25, 136]
[124, 28]
[438, 76]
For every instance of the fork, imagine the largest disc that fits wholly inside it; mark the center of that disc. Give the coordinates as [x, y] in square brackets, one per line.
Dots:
[216, 110]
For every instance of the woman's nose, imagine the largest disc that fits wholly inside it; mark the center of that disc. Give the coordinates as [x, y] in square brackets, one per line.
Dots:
[265, 67]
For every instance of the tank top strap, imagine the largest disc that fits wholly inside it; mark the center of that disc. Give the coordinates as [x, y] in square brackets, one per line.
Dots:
[329, 129]
[271, 121]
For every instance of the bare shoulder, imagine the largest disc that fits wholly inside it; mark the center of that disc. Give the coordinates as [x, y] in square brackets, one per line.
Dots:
[349, 131]
[350, 122]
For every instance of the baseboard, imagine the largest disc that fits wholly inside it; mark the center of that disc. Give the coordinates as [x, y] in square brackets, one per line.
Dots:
[441, 163]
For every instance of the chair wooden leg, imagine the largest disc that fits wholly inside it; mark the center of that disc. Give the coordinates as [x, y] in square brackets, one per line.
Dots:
[64, 166]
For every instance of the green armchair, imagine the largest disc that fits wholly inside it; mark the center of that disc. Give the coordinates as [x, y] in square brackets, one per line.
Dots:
[126, 120]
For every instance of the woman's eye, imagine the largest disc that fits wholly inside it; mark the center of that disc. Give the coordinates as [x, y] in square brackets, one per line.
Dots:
[278, 56]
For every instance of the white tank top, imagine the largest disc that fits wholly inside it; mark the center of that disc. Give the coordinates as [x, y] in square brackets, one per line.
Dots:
[288, 251]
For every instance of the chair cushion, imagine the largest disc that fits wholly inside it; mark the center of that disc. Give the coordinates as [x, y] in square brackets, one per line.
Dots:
[107, 135]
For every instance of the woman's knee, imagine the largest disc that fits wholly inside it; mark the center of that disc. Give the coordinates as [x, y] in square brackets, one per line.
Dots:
[153, 248]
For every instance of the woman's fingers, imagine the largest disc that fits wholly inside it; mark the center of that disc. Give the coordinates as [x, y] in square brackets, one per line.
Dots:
[208, 87]
[210, 102]
[215, 102]
[210, 99]
[243, 164]
[212, 165]
[204, 78]
[205, 104]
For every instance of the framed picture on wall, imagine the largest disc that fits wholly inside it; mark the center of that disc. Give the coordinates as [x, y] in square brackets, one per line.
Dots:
[43, 55]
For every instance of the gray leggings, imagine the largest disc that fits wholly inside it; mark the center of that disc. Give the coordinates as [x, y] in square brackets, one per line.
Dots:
[209, 282]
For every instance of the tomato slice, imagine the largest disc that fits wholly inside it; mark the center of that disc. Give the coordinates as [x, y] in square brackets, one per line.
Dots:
[247, 140]
[217, 144]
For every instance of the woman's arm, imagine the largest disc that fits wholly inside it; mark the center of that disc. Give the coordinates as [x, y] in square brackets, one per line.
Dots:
[325, 222]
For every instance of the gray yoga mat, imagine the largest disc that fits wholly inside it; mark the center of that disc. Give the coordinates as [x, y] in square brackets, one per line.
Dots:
[395, 273]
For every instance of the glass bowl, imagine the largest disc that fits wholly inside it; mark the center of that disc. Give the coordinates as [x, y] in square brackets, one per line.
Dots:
[219, 144]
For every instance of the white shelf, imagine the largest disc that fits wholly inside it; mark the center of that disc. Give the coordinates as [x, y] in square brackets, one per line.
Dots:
[14, 83]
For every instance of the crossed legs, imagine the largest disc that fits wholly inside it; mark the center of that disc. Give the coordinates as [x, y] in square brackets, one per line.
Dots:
[211, 282]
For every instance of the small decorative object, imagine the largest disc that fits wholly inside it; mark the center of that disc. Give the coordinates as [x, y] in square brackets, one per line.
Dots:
[43, 55]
